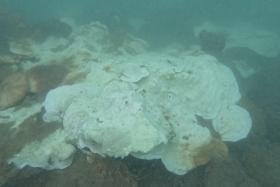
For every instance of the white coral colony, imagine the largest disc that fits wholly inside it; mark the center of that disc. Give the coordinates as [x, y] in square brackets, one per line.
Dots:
[151, 106]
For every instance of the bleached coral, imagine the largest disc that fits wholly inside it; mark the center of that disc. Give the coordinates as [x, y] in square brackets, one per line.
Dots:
[148, 106]
[86, 42]
[18, 115]
[51, 153]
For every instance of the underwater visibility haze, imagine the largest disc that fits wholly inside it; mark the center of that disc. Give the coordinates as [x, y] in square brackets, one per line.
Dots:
[151, 93]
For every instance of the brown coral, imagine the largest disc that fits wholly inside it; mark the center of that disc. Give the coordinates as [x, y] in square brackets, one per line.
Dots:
[13, 89]
[215, 150]
[42, 78]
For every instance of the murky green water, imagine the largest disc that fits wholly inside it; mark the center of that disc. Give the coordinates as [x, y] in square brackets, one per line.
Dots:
[139, 93]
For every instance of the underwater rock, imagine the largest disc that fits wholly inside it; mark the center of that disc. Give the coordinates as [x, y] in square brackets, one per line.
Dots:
[261, 161]
[228, 172]
[246, 54]
[263, 89]
[264, 42]
[12, 26]
[150, 114]
[259, 130]
[13, 90]
[246, 61]
[42, 78]
[51, 28]
[99, 171]
[212, 42]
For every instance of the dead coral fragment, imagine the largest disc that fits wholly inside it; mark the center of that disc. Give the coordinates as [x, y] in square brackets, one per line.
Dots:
[45, 77]
[12, 90]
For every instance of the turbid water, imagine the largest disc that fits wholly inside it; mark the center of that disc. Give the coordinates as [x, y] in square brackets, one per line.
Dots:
[139, 93]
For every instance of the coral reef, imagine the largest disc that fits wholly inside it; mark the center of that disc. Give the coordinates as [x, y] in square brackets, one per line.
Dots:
[19, 115]
[173, 109]
[160, 101]
[128, 103]
[13, 90]
[42, 78]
